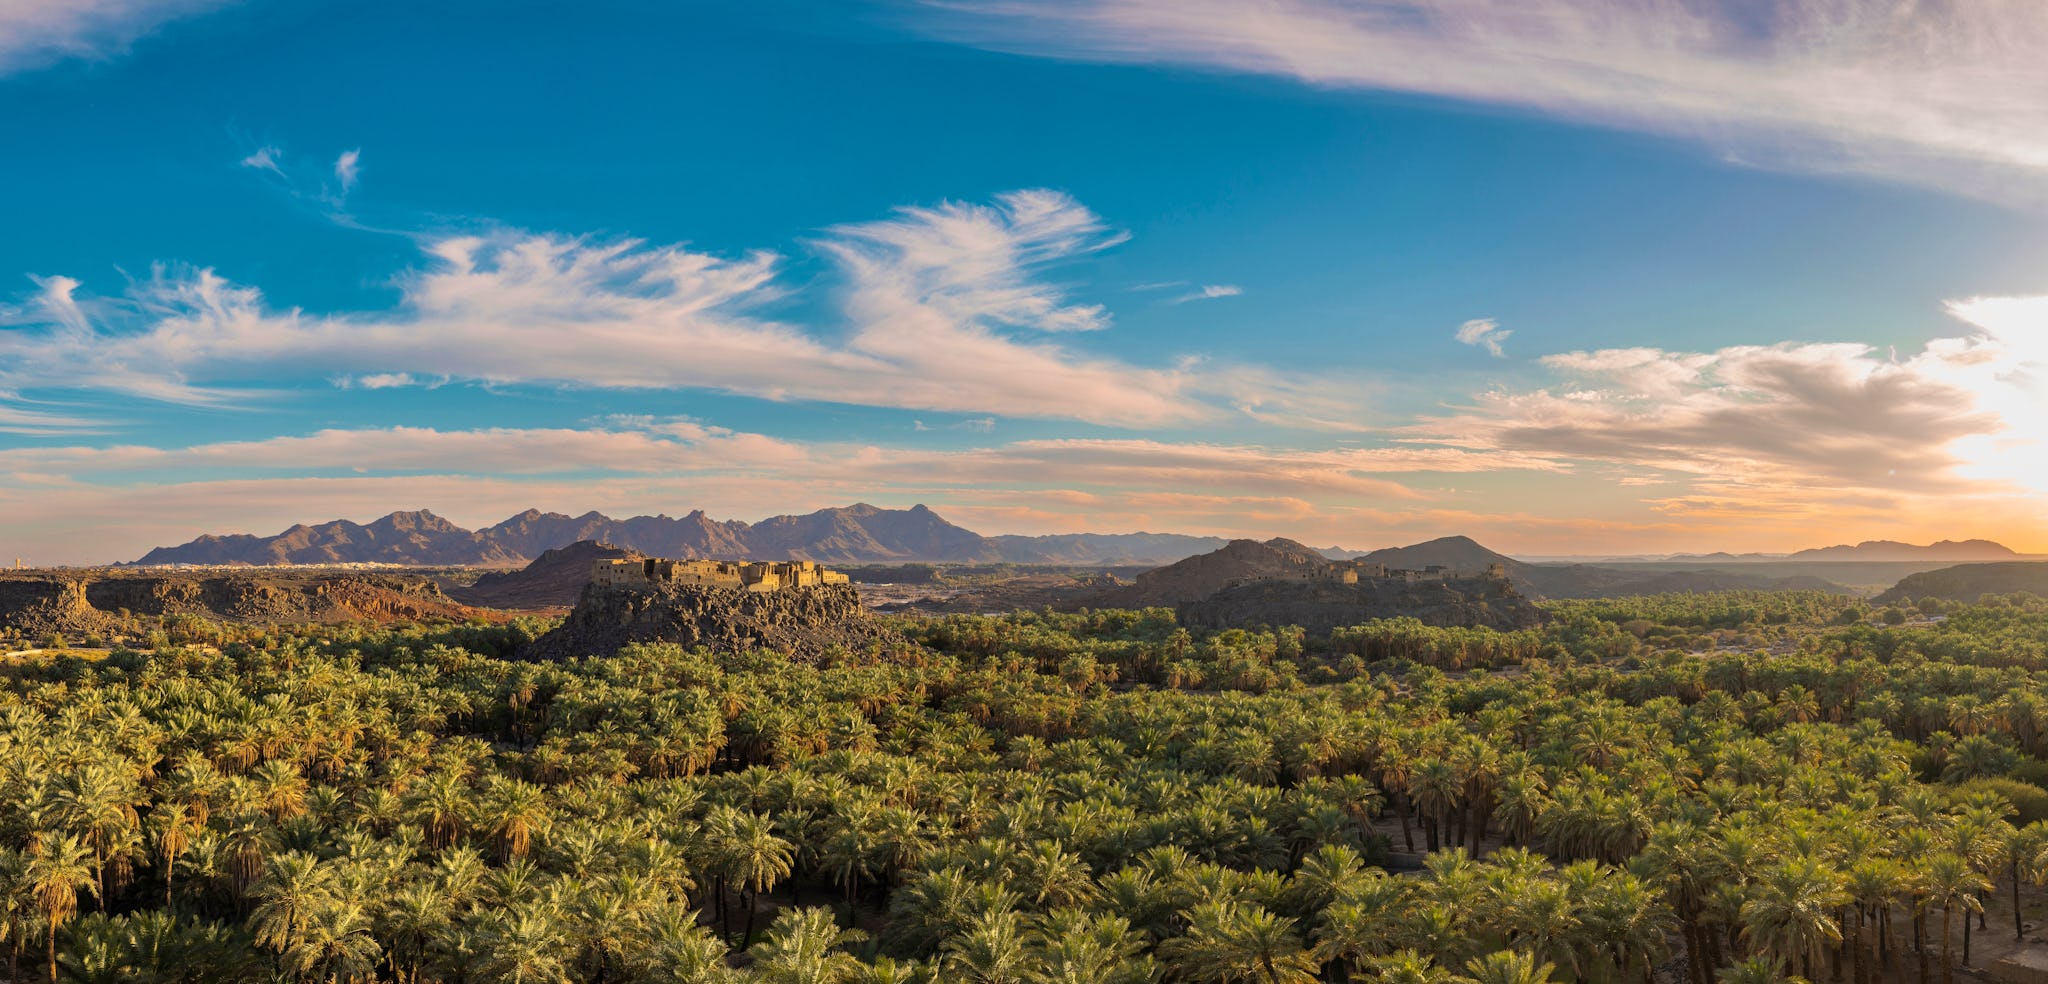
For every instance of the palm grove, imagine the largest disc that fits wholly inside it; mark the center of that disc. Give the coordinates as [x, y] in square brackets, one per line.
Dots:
[1741, 788]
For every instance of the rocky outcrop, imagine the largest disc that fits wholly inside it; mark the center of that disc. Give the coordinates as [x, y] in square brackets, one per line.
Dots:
[1320, 607]
[554, 580]
[802, 623]
[120, 602]
[40, 606]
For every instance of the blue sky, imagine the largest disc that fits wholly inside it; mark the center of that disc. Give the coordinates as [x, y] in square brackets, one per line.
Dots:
[1356, 272]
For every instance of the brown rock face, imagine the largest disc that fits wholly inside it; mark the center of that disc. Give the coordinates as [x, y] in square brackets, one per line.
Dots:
[799, 622]
[96, 601]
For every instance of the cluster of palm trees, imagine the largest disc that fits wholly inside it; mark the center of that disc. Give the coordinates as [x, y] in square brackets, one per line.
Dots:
[1100, 796]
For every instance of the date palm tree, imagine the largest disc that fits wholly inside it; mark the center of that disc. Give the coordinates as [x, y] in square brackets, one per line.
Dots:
[992, 951]
[1789, 915]
[1229, 943]
[295, 886]
[56, 872]
[514, 812]
[334, 945]
[755, 858]
[804, 946]
[1508, 967]
[525, 945]
[1956, 886]
[1073, 946]
[1410, 967]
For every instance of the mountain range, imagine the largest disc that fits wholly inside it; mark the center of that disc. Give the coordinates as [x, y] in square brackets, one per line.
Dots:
[865, 534]
[855, 534]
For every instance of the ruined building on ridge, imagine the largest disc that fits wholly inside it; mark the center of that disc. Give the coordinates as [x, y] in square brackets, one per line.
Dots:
[756, 576]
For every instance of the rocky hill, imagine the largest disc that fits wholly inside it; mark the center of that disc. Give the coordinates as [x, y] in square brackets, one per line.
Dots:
[859, 533]
[802, 623]
[1200, 576]
[1968, 582]
[554, 580]
[1226, 588]
[1456, 552]
[118, 602]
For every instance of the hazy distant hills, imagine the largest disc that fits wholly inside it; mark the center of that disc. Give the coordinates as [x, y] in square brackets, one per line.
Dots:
[1589, 580]
[1950, 550]
[1869, 551]
[860, 533]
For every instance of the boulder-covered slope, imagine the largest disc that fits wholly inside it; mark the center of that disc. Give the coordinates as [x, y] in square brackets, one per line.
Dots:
[802, 623]
[1968, 582]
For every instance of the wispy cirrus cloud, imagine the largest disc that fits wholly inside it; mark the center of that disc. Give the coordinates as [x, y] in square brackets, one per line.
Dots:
[1208, 292]
[1485, 333]
[1942, 94]
[265, 158]
[346, 168]
[637, 444]
[945, 308]
[36, 33]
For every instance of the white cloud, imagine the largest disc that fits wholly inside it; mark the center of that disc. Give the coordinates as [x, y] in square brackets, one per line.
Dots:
[1485, 333]
[382, 380]
[944, 306]
[1772, 424]
[346, 167]
[17, 418]
[35, 33]
[1209, 292]
[1949, 94]
[264, 159]
[972, 264]
[638, 444]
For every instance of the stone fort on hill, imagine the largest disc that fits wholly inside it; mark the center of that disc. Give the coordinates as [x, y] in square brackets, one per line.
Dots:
[756, 576]
[798, 609]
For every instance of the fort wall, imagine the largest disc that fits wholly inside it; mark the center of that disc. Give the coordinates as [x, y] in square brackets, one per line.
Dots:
[757, 576]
